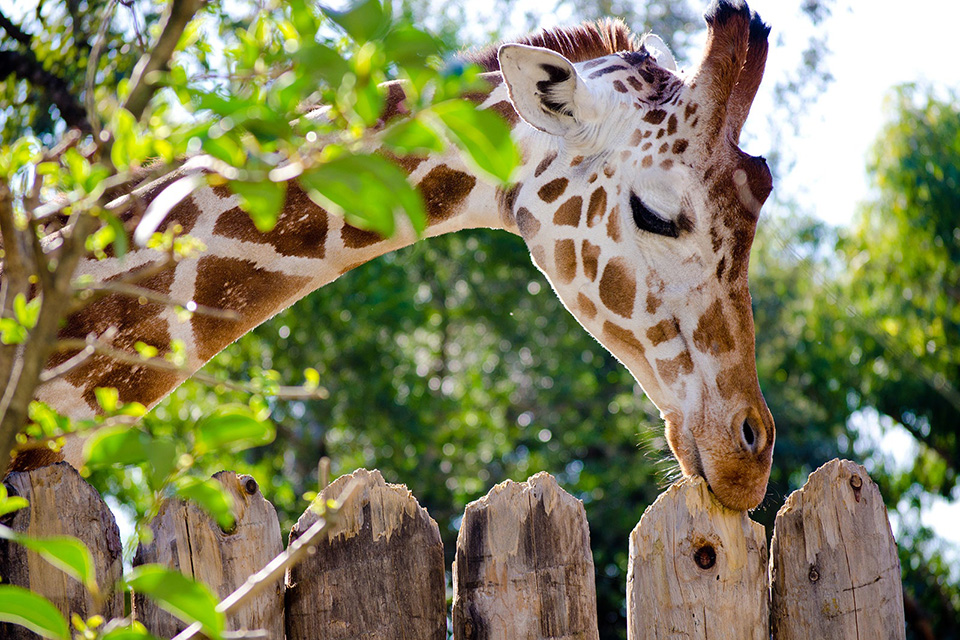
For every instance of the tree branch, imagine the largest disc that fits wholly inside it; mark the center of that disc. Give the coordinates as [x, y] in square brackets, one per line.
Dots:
[14, 31]
[26, 67]
[142, 83]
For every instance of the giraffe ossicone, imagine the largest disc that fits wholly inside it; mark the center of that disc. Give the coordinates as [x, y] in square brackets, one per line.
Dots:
[633, 198]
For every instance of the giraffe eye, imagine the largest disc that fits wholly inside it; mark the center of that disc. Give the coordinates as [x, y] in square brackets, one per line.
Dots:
[649, 221]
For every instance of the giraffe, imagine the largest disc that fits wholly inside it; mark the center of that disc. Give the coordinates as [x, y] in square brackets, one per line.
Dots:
[633, 199]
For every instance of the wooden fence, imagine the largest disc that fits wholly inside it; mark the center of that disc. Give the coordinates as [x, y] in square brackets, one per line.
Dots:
[523, 567]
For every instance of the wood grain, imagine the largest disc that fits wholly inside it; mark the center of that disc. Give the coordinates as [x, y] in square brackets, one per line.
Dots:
[697, 570]
[61, 503]
[379, 573]
[524, 569]
[834, 570]
[188, 539]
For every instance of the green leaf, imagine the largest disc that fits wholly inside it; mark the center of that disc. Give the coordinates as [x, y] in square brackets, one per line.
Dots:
[120, 241]
[363, 20]
[120, 445]
[9, 504]
[212, 498]
[408, 46]
[321, 62]
[368, 190]
[262, 200]
[482, 134]
[126, 134]
[232, 428]
[226, 148]
[187, 599]
[27, 313]
[108, 398]
[411, 136]
[36, 613]
[128, 631]
[64, 552]
[12, 332]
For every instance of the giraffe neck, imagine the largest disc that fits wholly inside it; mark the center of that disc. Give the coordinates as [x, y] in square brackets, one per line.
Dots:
[251, 274]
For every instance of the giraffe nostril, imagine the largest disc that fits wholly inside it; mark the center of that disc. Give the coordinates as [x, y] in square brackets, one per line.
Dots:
[749, 436]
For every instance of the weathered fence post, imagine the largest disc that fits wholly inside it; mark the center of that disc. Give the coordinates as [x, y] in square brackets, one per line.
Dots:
[189, 540]
[61, 503]
[834, 568]
[524, 569]
[697, 570]
[377, 575]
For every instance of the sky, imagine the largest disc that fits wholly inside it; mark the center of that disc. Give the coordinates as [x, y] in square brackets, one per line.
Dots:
[874, 45]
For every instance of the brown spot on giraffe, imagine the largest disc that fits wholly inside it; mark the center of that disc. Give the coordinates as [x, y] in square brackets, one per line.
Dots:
[569, 212]
[664, 147]
[539, 256]
[663, 331]
[355, 238]
[712, 334]
[721, 265]
[444, 190]
[624, 338]
[653, 303]
[680, 145]
[565, 255]
[636, 137]
[240, 286]
[587, 307]
[529, 225]
[660, 133]
[689, 110]
[301, 229]
[609, 170]
[655, 116]
[544, 164]
[671, 369]
[553, 189]
[618, 287]
[596, 207]
[606, 70]
[733, 380]
[619, 86]
[138, 321]
[647, 162]
[506, 201]
[576, 161]
[716, 239]
[393, 104]
[672, 124]
[646, 145]
[506, 111]
[613, 224]
[591, 257]
[666, 164]
[408, 163]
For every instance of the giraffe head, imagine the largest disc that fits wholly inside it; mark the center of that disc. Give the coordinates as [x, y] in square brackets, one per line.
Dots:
[641, 210]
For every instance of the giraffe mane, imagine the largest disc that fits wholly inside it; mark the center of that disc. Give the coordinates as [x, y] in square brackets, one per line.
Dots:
[578, 43]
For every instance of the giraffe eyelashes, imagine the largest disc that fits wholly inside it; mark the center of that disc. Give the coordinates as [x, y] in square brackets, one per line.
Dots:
[649, 221]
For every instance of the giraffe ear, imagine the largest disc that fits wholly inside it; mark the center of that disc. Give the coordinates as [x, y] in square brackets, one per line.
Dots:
[655, 45]
[545, 89]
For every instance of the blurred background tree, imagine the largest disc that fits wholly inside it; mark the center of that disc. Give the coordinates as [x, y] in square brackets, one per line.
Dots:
[451, 366]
